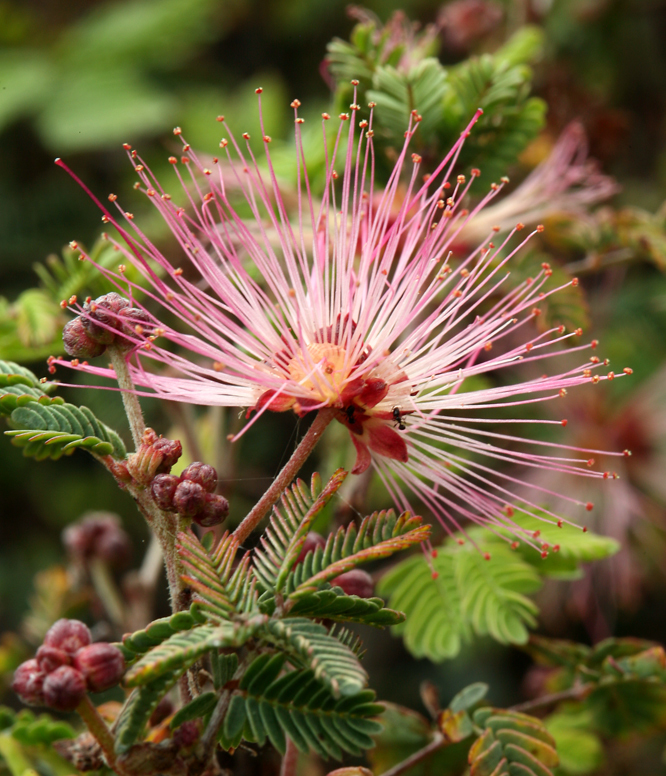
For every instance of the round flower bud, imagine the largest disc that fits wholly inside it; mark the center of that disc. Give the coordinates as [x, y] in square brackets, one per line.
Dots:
[98, 534]
[355, 582]
[213, 512]
[189, 498]
[50, 658]
[64, 689]
[170, 450]
[312, 541]
[101, 665]
[203, 474]
[114, 547]
[136, 322]
[100, 317]
[28, 683]
[163, 488]
[187, 734]
[68, 635]
[78, 343]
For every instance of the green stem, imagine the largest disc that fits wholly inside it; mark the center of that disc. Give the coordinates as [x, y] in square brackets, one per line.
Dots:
[107, 591]
[99, 730]
[12, 754]
[284, 478]
[130, 399]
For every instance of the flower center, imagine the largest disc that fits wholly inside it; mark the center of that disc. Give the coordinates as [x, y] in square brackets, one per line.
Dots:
[325, 373]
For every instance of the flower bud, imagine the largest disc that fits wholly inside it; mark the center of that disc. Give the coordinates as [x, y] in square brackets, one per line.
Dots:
[170, 450]
[68, 635]
[189, 498]
[136, 322]
[213, 512]
[50, 658]
[101, 665]
[64, 689]
[28, 683]
[355, 582]
[203, 474]
[163, 488]
[100, 318]
[155, 455]
[78, 343]
[98, 534]
[187, 734]
[312, 541]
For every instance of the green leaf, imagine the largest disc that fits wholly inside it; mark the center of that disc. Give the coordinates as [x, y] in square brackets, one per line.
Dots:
[196, 708]
[397, 94]
[33, 731]
[309, 645]
[333, 604]
[27, 79]
[139, 706]
[378, 536]
[580, 750]
[298, 706]
[512, 744]
[183, 649]
[288, 529]
[212, 576]
[468, 696]
[47, 427]
[567, 546]
[466, 594]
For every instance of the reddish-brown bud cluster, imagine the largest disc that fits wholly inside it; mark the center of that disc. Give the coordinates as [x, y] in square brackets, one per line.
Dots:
[66, 667]
[355, 582]
[191, 494]
[156, 455]
[106, 320]
[98, 535]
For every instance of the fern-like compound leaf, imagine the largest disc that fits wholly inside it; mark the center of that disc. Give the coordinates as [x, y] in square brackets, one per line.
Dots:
[296, 705]
[512, 744]
[288, 528]
[309, 645]
[378, 536]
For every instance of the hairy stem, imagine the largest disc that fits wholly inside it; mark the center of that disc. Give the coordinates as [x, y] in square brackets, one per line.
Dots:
[290, 470]
[99, 730]
[290, 760]
[130, 399]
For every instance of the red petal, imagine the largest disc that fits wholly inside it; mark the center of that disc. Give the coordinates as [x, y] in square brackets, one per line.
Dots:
[373, 392]
[362, 455]
[382, 439]
[276, 403]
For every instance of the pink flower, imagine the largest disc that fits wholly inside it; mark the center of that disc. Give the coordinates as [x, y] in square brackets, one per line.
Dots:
[359, 308]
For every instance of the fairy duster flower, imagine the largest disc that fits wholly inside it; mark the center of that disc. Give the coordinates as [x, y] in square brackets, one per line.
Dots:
[353, 302]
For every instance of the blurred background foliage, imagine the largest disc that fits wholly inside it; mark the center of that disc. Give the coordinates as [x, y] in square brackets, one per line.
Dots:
[79, 78]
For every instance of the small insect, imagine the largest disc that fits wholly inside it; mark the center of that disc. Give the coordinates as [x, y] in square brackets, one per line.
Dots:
[398, 418]
[349, 412]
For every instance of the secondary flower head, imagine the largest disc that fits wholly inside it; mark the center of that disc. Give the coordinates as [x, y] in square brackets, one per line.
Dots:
[352, 302]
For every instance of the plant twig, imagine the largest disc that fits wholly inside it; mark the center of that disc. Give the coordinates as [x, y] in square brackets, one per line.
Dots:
[130, 399]
[578, 692]
[96, 725]
[290, 470]
[290, 759]
[437, 743]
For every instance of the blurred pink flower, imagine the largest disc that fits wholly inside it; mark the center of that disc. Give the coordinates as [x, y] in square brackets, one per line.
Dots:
[357, 308]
